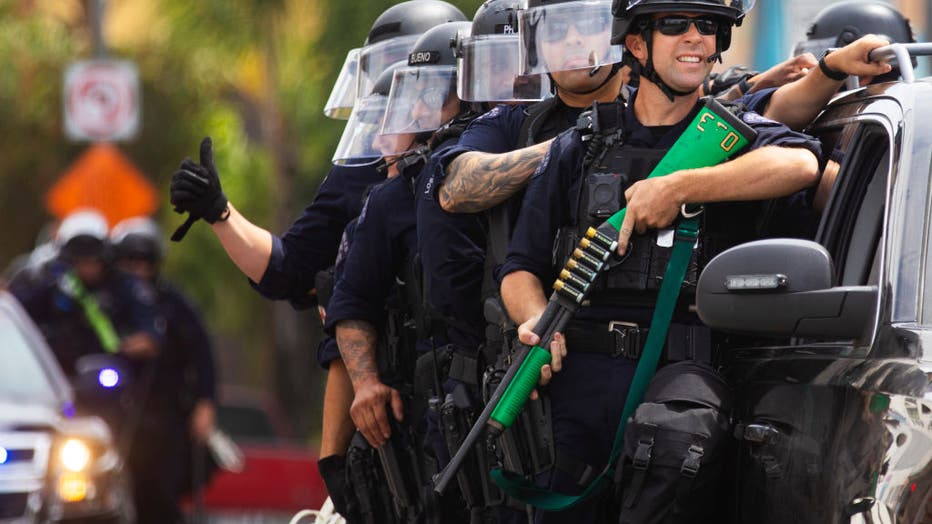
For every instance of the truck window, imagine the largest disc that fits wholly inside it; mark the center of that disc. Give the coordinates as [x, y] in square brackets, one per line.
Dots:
[852, 223]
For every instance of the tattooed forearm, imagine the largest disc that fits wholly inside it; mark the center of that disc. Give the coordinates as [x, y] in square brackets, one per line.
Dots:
[357, 342]
[478, 181]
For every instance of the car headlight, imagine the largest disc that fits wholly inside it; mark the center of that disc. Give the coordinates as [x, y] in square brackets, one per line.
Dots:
[75, 455]
[74, 487]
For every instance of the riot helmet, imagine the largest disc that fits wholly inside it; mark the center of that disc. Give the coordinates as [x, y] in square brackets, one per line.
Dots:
[138, 238]
[423, 95]
[561, 35]
[634, 17]
[627, 11]
[82, 234]
[840, 24]
[393, 33]
[343, 95]
[357, 144]
[487, 59]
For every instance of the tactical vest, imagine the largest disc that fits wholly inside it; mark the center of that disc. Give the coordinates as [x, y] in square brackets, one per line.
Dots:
[610, 167]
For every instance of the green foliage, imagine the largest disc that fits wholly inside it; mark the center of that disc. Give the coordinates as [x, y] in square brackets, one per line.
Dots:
[254, 75]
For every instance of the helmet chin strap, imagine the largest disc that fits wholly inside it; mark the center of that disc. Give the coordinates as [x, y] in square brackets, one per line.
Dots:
[647, 70]
[383, 165]
[595, 70]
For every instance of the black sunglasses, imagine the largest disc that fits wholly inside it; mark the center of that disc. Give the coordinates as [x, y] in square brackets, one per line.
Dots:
[555, 29]
[677, 25]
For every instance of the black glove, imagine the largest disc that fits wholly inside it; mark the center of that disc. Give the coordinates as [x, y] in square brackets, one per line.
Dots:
[333, 472]
[195, 189]
[721, 82]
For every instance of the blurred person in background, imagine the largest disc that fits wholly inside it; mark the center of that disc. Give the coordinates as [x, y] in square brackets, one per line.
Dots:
[179, 413]
[81, 304]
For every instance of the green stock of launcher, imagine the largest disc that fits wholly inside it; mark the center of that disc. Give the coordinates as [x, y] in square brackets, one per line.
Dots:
[713, 136]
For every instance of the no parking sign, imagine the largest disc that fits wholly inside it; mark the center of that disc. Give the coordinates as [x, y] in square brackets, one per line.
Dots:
[101, 100]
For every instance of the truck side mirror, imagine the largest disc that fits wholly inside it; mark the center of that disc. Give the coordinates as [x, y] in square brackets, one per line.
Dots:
[782, 287]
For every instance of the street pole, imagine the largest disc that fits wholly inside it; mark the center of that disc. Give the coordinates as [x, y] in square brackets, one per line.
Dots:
[96, 9]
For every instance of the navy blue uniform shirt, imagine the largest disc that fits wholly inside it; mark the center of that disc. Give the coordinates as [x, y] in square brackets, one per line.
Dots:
[452, 251]
[384, 239]
[547, 206]
[328, 351]
[310, 244]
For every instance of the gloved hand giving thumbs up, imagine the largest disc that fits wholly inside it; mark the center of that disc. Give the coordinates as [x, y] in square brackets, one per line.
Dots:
[195, 189]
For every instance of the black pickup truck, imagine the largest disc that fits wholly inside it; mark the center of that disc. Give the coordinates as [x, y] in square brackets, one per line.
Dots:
[834, 402]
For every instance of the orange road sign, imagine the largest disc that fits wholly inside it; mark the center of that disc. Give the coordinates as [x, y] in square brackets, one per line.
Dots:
[104, 179]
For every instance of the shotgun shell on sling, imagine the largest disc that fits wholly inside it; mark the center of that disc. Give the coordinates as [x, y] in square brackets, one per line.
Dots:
[587, 259]
[601, 238]
[581, 270]
[594, 249]
[568, 291]
[573, 279]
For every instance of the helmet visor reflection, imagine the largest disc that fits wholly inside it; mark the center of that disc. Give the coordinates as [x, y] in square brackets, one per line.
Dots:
[566, 36]
[343, 95]
[418, 98]
[357, 145]
[488, 72]
[375, 58]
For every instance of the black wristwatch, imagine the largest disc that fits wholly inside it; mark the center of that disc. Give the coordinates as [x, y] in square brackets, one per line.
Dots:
[744, 86]
[837, 76]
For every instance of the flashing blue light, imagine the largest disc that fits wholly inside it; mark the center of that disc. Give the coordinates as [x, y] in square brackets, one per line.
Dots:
[108, 377]
[4, 455]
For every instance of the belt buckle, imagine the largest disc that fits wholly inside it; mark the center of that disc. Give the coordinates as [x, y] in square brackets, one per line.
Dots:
[627, 339]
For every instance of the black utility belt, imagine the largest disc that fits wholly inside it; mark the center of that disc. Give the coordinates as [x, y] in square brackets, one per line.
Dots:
[618, 338]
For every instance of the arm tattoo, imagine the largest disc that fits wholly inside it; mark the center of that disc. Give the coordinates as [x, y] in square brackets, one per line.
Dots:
[479, 181]
[357, 342]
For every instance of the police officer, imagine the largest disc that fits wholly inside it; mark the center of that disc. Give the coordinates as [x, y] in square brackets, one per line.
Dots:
[377, 268]
[842, 23]
[82, 305]
[179, 412]
[671, 46]
[284, 268]
[840, 38]
[387, 222]
[454, 244]
[497, 154]
[853, 30]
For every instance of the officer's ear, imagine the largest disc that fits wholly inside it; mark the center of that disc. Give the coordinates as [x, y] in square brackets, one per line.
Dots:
[635, 44]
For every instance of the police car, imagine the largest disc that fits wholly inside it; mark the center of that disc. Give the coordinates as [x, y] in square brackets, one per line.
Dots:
[833, 394]
[54, 467]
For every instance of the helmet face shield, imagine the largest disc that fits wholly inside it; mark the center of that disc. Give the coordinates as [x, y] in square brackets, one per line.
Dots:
[566, 36]
[340, 103]
[375, 58]
[488, 72]
[357, 145]
[422, 99]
